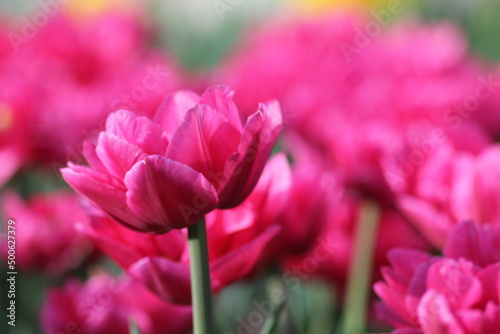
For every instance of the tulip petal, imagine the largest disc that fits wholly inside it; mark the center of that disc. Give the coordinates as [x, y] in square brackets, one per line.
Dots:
[434, 224]
[122, 254]
[474, 242]
[436, 316]
[168, 194]
[152, 314]
[416, 289]
[167, 279]
[90, 155]
[172, 245]
[457, 281]
[394, 279]
[243, 169]
[393, 298]
[386, 314]
[407, 261]
[61, 307]
[490, 281]
[204, 141]
[117, 155]
[170, 114]
[492, 318]
[99, 188]
[239, 262]
[220, 98]
[486, 185]
[139, 131]
[461, 204]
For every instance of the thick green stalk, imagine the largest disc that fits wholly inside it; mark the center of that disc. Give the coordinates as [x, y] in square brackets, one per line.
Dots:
[358, 289]
[200, 279]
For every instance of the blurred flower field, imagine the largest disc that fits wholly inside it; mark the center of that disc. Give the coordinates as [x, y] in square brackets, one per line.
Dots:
[231, 166]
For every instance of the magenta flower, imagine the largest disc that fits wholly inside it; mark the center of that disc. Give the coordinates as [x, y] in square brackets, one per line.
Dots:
[45, 234]
[239, 240]
[161, 262]
[457, 293]
[106, 305]
[333, 90]
[312, 191]
[78, 74]
[452, 186]
[198, 156]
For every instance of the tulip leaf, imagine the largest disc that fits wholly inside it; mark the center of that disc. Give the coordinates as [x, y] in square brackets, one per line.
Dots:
[311, 306]
[271, 324]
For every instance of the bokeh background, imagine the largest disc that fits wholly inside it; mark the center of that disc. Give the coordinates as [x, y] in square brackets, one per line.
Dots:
[188, 44]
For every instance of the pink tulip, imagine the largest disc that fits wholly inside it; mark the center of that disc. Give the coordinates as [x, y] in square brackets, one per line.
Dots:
[44, 229]
[131, 249]
[198, 156]
[239, 240]
[161, 262]
[451, 186]
[154, 315]
[457, 293]
[108, 305]
[257, 215]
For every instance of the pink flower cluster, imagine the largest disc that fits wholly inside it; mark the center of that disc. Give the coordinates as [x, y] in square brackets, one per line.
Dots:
[60, 84]
[107, 305]
[455, 293]
[400, 97]
[47, 238]
[450, 187]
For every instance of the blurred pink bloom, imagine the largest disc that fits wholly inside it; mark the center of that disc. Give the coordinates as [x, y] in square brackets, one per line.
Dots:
[451, 186]
[45, 236]
[107, 305]
[305, 213]
[489, 93]
[395, 95]
[239, 241]
[198, 156]
[60, 84]
[161, 262]
[14, 122]
[312, 192]
[256, 216]
[131, 249]
[457, 293]
[331, 254]
[303, 65]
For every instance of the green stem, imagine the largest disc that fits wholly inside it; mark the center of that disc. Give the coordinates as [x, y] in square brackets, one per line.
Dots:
[133, 329]
[360, 273]
[200, 279]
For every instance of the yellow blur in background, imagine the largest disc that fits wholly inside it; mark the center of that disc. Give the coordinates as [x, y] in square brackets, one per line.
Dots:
[320, 6]
[78, 8]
